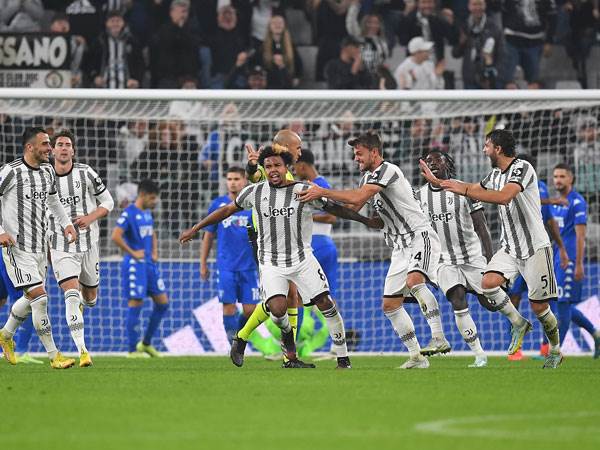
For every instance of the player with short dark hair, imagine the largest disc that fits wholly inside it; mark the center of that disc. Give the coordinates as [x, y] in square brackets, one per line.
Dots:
[525, 246]
[406, 229]
[135, 235]
[235, 264]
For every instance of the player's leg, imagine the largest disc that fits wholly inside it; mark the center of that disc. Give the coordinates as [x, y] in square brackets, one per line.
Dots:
[293, 301]
[326, 254]
[579, 319]
[156, 290]
[228, 295]
[248, 295]
[134, 285]
[278, 307]
[517, 288]
[89, 279]
[538, 271]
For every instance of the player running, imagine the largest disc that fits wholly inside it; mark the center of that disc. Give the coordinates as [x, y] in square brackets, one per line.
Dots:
[525, 246]
[76, 265]
[27, 193]
[416, 247]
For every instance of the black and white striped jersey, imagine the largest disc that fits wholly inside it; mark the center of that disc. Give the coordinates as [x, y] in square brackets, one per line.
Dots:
[396, 205]
[80, 191]
[284, 224]
[450, 216]
[27, 193]
[523, 229]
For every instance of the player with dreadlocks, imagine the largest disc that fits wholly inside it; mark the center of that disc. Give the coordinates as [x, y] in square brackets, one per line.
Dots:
[466, 248]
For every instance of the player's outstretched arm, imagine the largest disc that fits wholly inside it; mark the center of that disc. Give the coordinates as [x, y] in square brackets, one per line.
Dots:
[346, 213]
[215, 217]
[207, 241]
[481, 228]
[354, 198]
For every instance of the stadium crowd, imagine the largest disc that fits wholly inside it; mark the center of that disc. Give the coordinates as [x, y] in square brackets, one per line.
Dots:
[256, 44]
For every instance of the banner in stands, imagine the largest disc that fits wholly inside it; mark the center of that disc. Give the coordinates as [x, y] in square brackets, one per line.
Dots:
[36, 60]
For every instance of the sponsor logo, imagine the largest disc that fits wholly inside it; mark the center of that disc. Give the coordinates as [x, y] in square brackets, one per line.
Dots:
[70, 200]
[441, 217]
[280, 212]
[37, 195]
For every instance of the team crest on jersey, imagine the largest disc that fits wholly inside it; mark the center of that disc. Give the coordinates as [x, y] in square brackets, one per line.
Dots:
[450, 200]
[77, 184]
[517, 172]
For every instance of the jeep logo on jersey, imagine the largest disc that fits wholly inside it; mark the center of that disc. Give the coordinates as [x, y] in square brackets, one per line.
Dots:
[70, 201]
[442, 217]
[276, 212]
[37, 195]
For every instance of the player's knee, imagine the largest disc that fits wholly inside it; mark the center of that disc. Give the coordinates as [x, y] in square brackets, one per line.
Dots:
[323, 302]
[277, 305]
[414, 279]
[491, 281]
[539, 307]
[229, 309]
[457, 296]
[391, 303]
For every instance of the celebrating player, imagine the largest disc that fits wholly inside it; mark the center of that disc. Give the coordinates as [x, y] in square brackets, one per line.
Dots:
[76, 265]
[525, 246]
[416, 247]
[284, 228]
[135, 235]
[235, 263]
[572, 221]
[28, 191]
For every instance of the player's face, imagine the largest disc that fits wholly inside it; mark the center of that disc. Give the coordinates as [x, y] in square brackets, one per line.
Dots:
[149, 201]
[63, 151]
[437, 164]
[563, 179]
[365, 157]
[300, 169]
[40, 148]
[491, 151]
[235, 182]
[276, 170]
[115, 25]
[295, 148]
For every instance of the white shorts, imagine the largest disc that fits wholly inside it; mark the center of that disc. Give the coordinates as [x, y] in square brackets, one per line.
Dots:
[308, 276]
[423, 255]
[84, 265]
[25, 269]
[537, 271]
[467, 275]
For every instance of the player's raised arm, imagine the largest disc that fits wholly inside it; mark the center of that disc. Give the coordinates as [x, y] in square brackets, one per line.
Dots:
[215, 217]
[252, 169]
[346, 213]
[207, 241]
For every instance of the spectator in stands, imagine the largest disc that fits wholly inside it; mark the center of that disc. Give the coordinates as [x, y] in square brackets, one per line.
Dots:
[227, 46]
[243, 77]
[584, 21]
[465, 144]
[262, 12]
[480, 46]
[60, 24]
[87, 18]
[370, 30]
[331, 29]
[348, 71]
[586, 158]
[133, 140]
[417, 70]
[174, 53]
[17, 16]
[423, 21]
[115, 59]
[279, 56]
[529, 31]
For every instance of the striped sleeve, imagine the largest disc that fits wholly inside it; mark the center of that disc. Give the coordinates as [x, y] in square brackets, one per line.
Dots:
[521, 173]
[474, 205]
[245, 200]
[383, 176]
[7, 179]
[486, 182]
[94, 181]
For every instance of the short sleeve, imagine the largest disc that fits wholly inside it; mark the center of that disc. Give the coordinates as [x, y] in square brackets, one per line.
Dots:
[474, 205]
[7, 179]
[580, 210]
[95, 181]
[521, 173]
[486, 183]
[245, 200]
[383, 176]
[123, 221]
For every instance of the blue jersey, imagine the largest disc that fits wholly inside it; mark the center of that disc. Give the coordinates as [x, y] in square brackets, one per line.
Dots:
[234, 252]
[546, 210]
[567, 217]
[138, 229]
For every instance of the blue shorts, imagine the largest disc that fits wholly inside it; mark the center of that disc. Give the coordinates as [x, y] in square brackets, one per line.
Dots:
[518, 287]
[238, 286]
[325, 251]
[141, 279]
[569, 290]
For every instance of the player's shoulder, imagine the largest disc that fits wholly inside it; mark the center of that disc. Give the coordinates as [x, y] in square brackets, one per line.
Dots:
[322, 182]
[82, 166]
[48, 168]
[219, 201]
[578, 199]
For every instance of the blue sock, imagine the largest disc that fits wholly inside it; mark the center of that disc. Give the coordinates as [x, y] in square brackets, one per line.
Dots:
[133, 319]
[242, 319]
[157, 314]
[230, 323]
[564, 319]
[581, 321]
[24, 336]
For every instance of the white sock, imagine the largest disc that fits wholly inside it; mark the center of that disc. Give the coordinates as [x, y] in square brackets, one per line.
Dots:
[41, 323]
[501, 301]
[430, 308]
[405, 329]
[282, 322]
[550, 325]
[19, 311]
[335, 324]
[75, 318]
[468, 330]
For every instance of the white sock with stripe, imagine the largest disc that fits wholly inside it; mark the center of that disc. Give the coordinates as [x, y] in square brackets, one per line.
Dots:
[41, 323]
[550, 325]
[468, 330]
[335, 325]
[499, 299]
[75, 318]
[405, 329]
[430, 309]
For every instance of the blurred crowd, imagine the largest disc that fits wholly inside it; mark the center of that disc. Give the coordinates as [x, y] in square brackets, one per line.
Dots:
[237, 44]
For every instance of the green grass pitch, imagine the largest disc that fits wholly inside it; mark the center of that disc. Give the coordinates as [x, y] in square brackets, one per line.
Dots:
[206, 403]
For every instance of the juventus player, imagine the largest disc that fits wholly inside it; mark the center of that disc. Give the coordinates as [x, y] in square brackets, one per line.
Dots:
[416, 247]
[27, 191]
[525, 246]
[284, 227]
[83, 194]
[460, 222]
